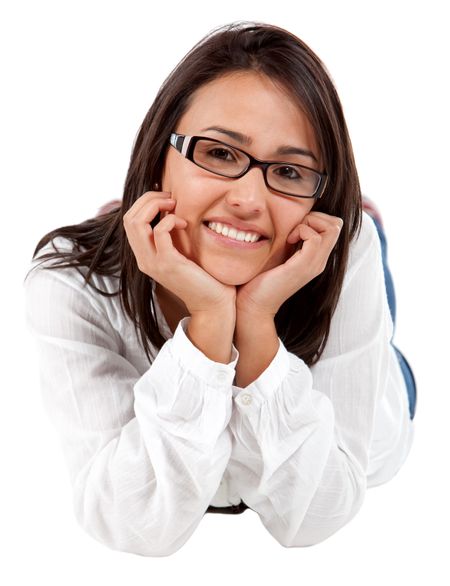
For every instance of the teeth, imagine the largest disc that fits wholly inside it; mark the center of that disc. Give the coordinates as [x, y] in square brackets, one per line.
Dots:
[233, 233]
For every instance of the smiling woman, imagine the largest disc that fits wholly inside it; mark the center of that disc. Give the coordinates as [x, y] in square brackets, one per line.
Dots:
[221, 338]
[250, 204]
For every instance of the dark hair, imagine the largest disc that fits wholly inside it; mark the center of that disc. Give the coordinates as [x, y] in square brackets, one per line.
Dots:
[303, 321]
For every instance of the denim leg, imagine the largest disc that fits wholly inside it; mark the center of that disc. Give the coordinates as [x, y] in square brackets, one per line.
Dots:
[387, 273]
[404, 364]
[410, 382]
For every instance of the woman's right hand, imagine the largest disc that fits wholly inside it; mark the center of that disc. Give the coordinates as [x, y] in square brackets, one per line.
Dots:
[158, 258]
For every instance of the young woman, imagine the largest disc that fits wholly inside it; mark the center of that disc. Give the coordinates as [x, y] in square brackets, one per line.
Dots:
[222, 339]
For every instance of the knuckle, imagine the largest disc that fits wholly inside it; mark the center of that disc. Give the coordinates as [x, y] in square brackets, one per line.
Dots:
[131, 222]
[127, 217]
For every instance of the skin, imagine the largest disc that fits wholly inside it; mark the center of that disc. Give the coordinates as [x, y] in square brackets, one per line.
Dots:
[213, 283]
[229, 102]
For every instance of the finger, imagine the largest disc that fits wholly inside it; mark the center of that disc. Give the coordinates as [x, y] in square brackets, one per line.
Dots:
[161, 232]
[301, 232]
[144, 199]
[139, 230]
[148, 212]
[319, 247]
[315, 250]
[322, 222]
[329, 227]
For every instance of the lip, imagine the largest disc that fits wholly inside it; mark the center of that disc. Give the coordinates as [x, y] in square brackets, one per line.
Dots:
[233, 243]
[244, 227]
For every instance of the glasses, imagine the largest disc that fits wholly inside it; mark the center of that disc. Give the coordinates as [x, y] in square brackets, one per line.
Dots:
[229, 161]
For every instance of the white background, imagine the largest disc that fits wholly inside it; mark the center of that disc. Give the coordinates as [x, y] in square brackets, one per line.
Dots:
[78, 78]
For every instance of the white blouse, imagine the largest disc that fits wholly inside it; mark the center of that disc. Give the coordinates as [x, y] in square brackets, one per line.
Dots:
[149, 446]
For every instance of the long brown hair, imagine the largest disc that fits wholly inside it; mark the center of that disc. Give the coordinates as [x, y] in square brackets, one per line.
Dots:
[100, 243]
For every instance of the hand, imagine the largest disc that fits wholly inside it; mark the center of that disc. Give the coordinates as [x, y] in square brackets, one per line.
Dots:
[265, 293]
[158, 258]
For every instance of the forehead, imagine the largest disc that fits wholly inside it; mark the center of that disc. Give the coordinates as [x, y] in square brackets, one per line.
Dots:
[250, 103]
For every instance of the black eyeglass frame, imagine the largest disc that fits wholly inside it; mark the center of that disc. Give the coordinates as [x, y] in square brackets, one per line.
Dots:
[185, 145]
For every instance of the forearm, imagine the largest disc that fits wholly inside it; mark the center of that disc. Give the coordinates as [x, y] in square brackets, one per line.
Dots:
[257, 342]
[212, 333]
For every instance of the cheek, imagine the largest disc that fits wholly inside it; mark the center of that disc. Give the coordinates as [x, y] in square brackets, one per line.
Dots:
[283, 254]
[292, 216]
[297, 213]
[189, 192]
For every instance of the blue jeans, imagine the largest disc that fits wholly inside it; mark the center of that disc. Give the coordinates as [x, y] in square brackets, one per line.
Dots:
[404, 365]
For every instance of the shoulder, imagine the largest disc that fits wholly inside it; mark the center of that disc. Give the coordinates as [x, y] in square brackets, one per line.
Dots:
[44, 275]
[58, 244]
[43, 269]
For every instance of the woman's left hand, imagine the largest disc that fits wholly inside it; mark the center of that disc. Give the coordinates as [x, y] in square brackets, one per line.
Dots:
[265, 293]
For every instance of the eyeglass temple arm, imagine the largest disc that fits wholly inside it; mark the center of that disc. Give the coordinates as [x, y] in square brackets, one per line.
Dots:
[180, 142]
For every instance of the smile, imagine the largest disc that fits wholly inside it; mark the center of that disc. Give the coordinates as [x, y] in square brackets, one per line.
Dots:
[235, 238]
[231, 232]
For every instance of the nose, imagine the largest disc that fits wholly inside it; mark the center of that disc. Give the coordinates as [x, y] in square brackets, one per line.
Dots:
[248, 193]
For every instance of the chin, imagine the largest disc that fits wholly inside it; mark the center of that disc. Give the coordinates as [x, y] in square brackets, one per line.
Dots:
[228, 277]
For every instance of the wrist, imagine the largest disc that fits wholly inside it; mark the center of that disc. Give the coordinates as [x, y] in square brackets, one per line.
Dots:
[250, 326]
[257, 342]
[212, 333]
[246, 320]
[225, 314]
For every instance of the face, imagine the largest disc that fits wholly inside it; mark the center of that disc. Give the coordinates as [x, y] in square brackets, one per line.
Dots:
[252, 105]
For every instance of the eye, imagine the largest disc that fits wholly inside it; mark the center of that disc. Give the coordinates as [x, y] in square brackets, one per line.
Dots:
[221, 153]
[287, 172]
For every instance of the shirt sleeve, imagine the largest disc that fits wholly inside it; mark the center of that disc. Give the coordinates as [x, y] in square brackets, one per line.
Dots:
[301, 436]
[145, 453]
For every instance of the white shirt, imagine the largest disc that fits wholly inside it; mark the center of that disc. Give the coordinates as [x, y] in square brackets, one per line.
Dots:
[150, 446]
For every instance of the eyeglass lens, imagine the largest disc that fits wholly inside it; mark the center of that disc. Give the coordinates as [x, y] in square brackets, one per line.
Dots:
[220, 158]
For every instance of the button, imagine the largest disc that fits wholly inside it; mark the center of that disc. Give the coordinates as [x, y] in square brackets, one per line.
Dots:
[246, 399]
[222, 375]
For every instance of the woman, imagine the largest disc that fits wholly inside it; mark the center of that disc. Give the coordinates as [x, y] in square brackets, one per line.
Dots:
[223, 338]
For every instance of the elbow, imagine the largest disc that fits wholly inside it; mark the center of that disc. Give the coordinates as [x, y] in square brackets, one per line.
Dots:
[127, 539]
[315, 529]
[323, 517]
[314, 534]
[144, 533]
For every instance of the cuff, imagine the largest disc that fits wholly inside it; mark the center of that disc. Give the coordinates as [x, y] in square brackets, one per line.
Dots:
[193, 360]
[266, 385]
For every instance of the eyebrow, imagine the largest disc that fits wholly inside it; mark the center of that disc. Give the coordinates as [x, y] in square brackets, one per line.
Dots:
[246, 140]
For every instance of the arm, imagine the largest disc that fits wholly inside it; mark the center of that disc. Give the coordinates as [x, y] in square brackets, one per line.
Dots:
[212, 332]
[301, 436]
[257, 341]
[145, 453]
